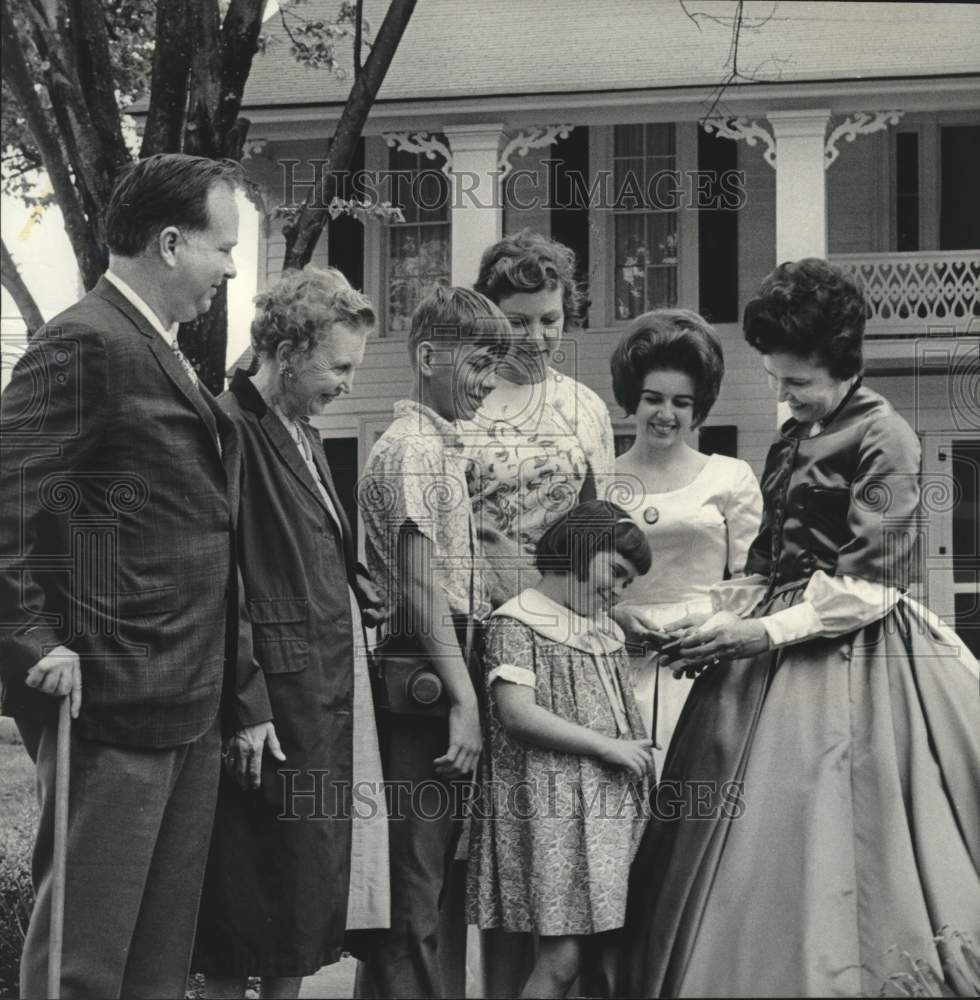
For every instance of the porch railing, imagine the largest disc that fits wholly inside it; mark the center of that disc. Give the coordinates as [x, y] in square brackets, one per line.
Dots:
[918, 294]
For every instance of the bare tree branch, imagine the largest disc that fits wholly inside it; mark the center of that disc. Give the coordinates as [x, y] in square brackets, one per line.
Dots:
[21, 83]
[169, 81]
[738, 23]
[358, 35]
[239, 43]
[205, 78]
[51, 24]
[19, 292]
[303, 233]
[93, 59]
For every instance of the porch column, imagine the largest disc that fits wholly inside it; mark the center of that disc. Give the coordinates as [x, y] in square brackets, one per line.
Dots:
[801, 198]
[477, 214]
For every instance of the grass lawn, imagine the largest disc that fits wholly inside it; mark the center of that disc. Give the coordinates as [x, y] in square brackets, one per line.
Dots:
[16, 779]
[18, 820]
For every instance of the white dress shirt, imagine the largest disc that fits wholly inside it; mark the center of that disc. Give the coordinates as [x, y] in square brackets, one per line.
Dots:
[169, 335]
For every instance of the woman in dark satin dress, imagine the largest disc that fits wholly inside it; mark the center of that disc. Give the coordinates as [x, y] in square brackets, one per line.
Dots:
[819, 811]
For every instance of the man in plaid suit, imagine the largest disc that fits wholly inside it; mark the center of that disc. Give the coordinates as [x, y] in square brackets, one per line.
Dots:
[118, 585]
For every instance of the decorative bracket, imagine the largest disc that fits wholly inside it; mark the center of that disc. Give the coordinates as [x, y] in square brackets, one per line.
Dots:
[423, 143]
[862, 123]
[258, 149]
[743, 128]
[535, 137]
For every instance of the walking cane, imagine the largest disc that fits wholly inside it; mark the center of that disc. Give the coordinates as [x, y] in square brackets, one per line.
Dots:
[56, 933]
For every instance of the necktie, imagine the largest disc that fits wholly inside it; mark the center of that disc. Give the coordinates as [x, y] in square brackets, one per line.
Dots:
[192, 375]
[185, 364]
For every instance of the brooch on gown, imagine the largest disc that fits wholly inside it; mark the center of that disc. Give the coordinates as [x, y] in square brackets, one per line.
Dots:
[651, 515]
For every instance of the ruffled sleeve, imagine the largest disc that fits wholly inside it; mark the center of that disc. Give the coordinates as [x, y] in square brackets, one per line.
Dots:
[831, 606]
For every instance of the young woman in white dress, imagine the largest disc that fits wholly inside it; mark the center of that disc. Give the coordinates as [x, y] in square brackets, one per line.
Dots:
[700, 512]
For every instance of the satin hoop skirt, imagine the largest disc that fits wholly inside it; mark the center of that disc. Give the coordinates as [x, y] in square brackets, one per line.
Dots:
[819, 814]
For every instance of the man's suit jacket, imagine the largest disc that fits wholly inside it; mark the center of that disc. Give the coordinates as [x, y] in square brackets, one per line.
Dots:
[116, 536]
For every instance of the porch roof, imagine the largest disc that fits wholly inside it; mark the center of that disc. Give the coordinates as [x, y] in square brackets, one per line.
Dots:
[474, 48]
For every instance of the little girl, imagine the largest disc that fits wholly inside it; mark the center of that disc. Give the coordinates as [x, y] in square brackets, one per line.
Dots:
[563, 780]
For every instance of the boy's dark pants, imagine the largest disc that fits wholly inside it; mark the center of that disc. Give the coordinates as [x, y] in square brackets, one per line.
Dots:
[423, 832]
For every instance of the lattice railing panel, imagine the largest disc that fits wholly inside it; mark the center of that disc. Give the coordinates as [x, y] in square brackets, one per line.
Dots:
[909, 292]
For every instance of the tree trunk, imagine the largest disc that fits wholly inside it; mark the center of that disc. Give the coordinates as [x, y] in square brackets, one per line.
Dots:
[219, 61]
[205, 342]
[20, 293]
[81, 233]
[168, 82]
[303, 233]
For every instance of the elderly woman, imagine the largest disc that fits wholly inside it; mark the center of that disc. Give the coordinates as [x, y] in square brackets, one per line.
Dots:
[699, 512]
[542, 441]
[287, 873]
[826, 761]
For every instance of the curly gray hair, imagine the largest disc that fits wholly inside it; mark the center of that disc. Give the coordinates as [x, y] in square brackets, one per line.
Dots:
[302, 306]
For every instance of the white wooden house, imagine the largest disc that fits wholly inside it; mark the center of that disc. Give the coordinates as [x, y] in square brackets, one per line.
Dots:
[852, 131]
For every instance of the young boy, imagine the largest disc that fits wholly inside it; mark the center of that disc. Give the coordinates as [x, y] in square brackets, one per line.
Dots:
[420, 548]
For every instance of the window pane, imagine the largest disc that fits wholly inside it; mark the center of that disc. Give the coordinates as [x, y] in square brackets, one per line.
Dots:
[907, 224]
[630, 292]
[661, 139]
[907, 192]
[628, 140]
[662, 237]
[959, 210]
[630, 178]
[404, 251]
[419, 247]
[430, 191]
[907, 163]
[631, 258]
[646, 252]
[661, 287]
[434, 256]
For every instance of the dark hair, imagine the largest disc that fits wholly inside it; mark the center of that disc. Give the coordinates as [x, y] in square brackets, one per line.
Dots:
[668, 340]
[809, 308]
[457, 314]
[168, 189]
[526, 263]
[578, 536]
[303, 306]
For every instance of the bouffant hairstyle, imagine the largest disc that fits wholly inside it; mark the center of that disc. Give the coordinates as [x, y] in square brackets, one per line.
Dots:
[454, 315]
[167, 189]
[302, 306]
[668, 340]
[811, 309]
[574, 540]
[526, 263]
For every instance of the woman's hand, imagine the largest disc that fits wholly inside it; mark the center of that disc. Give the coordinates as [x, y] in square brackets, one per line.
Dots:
[724, 636]
[635, 756]
[639, 632]
[242, 753]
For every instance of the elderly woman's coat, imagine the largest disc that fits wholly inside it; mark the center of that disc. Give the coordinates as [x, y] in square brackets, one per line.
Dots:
[275, 898]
